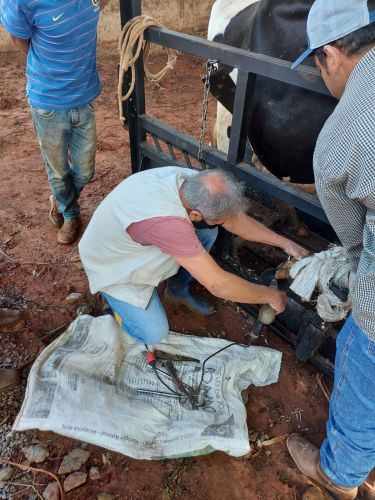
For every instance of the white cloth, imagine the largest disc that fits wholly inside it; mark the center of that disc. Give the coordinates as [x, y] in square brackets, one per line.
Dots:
[84, 386]
[320, 270]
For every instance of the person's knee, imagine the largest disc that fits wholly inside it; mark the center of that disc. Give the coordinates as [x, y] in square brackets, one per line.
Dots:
[156, 333]
[88, 174]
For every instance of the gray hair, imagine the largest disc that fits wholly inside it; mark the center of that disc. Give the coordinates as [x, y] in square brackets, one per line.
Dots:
[214, 202]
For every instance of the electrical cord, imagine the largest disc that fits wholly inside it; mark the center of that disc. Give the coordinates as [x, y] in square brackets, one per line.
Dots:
[198, 388]
[172, 391]
[182, 399]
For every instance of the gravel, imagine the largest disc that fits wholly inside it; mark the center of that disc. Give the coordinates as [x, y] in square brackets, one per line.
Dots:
[11, 442]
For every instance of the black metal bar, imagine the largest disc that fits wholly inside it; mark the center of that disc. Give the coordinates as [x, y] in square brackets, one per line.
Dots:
[156, 142]
[250, 62]
[272, 185]
[187, 159]
[252, 177]
[241, 118]
[171, 152]
[135, 105]
[158, 159]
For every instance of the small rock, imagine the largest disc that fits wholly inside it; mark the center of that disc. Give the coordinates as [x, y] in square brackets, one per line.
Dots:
[105, 496]
[253, 437]
[73, 461]
[94, 473]
[74, 480]
[83, 310]
[37, 453]
[313, 493]
[6, 473]
[106, 460]
[52, 492]
[73, 297]
[268, 452]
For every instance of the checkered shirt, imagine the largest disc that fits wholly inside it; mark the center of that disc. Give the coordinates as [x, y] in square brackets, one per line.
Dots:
[344, 167]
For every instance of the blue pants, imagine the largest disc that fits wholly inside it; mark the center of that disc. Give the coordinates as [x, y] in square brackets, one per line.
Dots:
[348, 453]
[67, 143]
[150, 326]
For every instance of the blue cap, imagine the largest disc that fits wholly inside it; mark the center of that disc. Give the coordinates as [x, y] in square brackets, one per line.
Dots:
[330, 20]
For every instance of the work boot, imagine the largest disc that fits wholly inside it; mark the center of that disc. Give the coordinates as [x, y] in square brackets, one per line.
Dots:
[182, 295]
[8, 317]
[8, 379]
[54, 215]
[307, 458]
[367, 490]
[69, 231]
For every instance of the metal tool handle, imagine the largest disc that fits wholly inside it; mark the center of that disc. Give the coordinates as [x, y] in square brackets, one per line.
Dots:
[266, 316]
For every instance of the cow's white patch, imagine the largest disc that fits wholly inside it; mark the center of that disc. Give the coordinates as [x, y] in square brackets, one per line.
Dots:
[221, 14]
[223, 11]
[223, 121]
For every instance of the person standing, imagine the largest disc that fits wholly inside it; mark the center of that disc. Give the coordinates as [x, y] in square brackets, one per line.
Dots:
[60, 41]
[342, 40]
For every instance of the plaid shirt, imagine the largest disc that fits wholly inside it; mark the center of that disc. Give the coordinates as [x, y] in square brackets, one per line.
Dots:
[344, 167]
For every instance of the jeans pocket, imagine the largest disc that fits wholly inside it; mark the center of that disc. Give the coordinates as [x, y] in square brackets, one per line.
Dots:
[44, 113]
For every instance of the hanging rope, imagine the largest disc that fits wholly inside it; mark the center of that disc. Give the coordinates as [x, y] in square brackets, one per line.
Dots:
[131, 44]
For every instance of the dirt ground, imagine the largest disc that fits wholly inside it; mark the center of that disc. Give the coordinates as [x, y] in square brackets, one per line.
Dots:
[37, 273]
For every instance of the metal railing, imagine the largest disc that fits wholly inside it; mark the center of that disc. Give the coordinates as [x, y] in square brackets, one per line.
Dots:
[167, 146]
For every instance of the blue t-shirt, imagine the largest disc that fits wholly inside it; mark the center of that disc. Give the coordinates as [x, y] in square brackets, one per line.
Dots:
[61, 64]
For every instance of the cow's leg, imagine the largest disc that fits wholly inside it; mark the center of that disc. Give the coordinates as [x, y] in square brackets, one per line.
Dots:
[308, 188]
[220, 139]
[287, 213]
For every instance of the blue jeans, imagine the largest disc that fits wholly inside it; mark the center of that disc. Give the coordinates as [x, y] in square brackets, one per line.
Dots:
[150, 326]
[67, 143]
[348, 453]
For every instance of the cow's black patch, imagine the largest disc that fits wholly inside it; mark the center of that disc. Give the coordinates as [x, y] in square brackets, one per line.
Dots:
[285, 121]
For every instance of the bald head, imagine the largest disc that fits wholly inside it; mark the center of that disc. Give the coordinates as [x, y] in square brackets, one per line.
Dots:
[215, 182]
[215, 194]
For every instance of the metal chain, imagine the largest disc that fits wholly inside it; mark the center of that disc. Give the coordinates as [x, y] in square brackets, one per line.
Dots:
[210, 66]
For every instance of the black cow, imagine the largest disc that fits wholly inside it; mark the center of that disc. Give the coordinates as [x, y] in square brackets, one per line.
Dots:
[284, 120]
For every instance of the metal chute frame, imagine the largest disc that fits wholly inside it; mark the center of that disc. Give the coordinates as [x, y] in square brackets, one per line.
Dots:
[298, 326]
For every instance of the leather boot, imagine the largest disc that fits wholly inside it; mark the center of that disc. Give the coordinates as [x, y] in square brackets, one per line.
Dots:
[182, 295]
[9, 317]
[307, 458]
[69, 231]
[54, 215]
[367, 490]
[8, 379]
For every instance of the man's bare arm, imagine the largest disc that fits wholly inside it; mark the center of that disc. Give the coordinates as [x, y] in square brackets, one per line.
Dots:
[103, 3]
[252, 230]
[229, 286]
[21, 43]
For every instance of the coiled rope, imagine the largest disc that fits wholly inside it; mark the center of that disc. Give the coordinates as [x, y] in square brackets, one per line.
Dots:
[131, 44]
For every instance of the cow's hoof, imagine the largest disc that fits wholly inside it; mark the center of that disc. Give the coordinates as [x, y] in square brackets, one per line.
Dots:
[302, 231]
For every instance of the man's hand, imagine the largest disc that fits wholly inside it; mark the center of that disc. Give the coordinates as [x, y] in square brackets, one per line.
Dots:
[278, 300]
[295, 250]
[228, 286]
[249, 229]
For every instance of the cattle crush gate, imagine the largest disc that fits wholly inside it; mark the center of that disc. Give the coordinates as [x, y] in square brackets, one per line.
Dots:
[298, 326]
